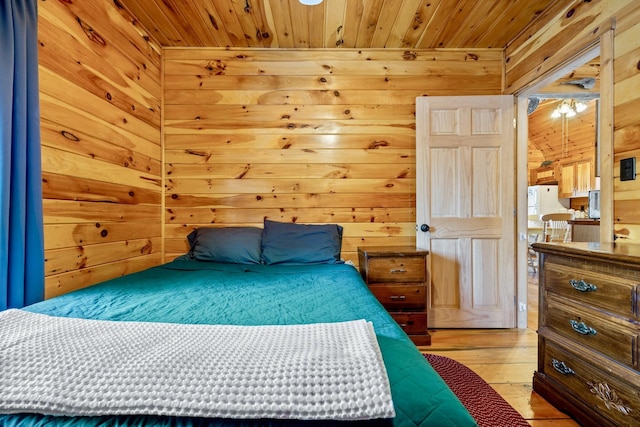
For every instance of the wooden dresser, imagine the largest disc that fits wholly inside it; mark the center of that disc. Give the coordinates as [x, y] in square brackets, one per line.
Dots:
[589, 331]
[397, 276]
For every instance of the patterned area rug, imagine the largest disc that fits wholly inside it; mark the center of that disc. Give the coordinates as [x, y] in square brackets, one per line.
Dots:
[485, 405]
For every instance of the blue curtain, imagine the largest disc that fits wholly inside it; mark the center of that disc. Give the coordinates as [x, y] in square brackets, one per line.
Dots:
[21, 229]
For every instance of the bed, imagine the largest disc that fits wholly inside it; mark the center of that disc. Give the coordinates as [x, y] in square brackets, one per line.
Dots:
[198, 289]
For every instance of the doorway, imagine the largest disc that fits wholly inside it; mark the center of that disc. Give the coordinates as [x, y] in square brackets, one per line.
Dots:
[604, 144]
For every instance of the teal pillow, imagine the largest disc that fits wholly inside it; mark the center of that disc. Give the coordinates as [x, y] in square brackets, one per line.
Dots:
[237, 245]
[296, 244]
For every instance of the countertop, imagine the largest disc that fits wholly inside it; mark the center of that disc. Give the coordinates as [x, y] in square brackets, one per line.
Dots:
[584, 221]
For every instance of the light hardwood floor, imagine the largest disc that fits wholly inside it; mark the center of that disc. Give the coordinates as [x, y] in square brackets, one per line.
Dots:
[506, 359]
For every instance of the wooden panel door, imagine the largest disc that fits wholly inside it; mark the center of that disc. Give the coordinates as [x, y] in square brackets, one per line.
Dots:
[466, 194]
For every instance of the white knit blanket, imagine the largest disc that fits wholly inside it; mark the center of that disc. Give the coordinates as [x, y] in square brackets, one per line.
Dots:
[66, 366]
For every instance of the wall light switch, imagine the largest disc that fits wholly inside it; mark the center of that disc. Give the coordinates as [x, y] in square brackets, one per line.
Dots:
[628, 169]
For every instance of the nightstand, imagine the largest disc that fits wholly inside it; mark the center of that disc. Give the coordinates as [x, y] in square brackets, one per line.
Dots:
[397, 276]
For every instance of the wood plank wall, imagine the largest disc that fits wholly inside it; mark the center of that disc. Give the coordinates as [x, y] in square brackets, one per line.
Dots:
[556, 39]
[100, 91]
[626, 136]
[306, 136]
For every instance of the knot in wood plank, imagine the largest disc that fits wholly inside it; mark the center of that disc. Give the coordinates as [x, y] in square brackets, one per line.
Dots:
[377, 144]
[409, 55]
[69, 136]
[90, 33]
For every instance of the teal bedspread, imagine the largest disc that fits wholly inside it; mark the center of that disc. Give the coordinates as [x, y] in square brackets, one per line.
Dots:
[210, 293]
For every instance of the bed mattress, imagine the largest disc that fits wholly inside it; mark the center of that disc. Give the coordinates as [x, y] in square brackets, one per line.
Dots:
[192, 292]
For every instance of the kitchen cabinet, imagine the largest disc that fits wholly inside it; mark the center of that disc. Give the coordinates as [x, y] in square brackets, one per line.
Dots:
[576, 179]
[585, 230]
[544, 175]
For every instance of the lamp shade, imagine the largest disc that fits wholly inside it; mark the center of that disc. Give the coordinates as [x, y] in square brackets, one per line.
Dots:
[565, 107]
[310, 2]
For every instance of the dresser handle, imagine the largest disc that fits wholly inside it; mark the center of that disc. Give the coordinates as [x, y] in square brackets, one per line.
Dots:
[397, 297]
[582, 328]
[562, 367]
[397, 270]
[582, 286]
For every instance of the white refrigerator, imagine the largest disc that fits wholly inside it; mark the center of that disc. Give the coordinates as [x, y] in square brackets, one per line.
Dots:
[543, 199]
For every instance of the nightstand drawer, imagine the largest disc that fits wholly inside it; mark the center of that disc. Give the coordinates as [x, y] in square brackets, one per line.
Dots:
[589, 329]
[615, 294]
[397, 269]
[401, 296]
[610, 396]
[411, 323]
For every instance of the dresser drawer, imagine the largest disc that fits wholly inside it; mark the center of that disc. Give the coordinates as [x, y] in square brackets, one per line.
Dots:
[396, 269]
[615, 294]
[608, 395]
[401, 296]
[411, 323]
[587, 328]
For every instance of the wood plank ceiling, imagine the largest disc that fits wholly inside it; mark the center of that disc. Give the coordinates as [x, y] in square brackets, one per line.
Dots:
[411, 24]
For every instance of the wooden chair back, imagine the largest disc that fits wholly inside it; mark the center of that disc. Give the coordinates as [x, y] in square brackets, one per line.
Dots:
[556, 227]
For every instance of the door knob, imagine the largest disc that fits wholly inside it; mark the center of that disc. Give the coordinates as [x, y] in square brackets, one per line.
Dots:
[424, 228]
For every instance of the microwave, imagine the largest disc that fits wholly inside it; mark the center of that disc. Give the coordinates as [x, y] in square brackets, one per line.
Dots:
[594, 204]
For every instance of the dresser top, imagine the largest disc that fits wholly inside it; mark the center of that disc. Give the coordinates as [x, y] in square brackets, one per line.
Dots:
[621, 253]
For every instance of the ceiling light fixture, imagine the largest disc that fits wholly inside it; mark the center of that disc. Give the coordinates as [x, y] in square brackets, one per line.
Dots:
[310, 2]
[581, 106]
[569, 108]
